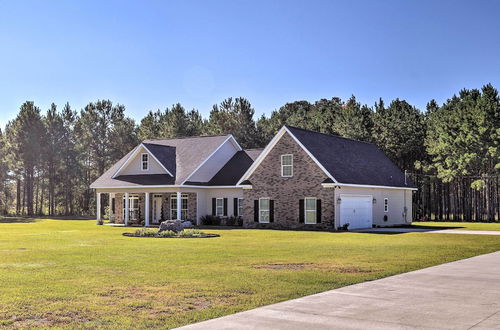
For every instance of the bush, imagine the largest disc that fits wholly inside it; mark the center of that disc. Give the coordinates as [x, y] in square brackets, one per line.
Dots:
[148, 232]
[145, 232]
[210, 220]
[191, 233]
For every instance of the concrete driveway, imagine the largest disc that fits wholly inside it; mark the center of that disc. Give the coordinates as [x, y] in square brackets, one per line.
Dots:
[459, 295]
[426, 230]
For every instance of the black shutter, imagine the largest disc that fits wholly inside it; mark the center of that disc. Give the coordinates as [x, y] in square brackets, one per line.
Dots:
[235, 207]
[318, 211]
[301, 210]
[271, 210]
[256, 210]
[214, 206]
[225, 207]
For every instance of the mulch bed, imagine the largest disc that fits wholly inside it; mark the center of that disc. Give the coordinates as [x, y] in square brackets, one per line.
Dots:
[202, 236]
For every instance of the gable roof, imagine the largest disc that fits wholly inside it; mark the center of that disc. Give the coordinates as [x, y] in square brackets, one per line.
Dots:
[344, 161]
[180, 156]
[233, 170]
[351, 161]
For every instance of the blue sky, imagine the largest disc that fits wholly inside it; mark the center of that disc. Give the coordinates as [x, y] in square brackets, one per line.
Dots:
[151, 54]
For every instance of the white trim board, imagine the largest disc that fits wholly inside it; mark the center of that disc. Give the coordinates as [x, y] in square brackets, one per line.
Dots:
[333, 185]
[167, 186]
[133, 154]
[271, 145]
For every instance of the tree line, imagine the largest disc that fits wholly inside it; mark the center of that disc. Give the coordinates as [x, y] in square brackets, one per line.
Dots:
[451, 151]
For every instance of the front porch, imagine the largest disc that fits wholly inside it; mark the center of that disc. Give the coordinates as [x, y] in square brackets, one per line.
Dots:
[148, 208]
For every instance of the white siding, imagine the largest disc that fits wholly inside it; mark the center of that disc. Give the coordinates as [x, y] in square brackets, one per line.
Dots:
[134, 166]
[230, 194]
[398, 199]
[215, 163]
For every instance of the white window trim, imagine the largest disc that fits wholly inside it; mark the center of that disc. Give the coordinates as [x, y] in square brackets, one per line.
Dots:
[174, 197]
[240, 207]
[217, 214]
[268, 210]
[283, 166]
[315, 211]
[142, 162]
[386, 205]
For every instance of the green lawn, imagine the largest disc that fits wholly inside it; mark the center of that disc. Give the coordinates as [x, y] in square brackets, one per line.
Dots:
[75, 274]
[460, 225]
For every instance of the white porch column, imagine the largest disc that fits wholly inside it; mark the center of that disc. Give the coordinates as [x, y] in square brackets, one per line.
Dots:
[179, 206]
[146, 210]
[127, 206]
[98, 214]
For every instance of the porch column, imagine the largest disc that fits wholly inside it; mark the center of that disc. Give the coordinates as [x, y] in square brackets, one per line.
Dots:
[179, 205]
[146, 210]
[127, 202]
[98, 214]
[110, 204]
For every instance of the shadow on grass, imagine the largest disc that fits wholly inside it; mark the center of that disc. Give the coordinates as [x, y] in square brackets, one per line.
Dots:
[25, 219]
[431, 227]
[17, 220]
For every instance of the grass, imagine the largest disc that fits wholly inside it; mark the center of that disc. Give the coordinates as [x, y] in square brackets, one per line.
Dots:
[75, 274]
[460, 225]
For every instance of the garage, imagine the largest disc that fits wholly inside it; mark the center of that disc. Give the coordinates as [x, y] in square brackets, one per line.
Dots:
[356, 210]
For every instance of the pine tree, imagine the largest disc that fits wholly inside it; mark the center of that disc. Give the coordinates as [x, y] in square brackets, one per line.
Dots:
[354, 121]
[25, 136]
[399, 131]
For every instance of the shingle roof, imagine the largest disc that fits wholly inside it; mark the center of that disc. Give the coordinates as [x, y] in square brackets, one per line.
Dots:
[179, 156]
[231, 173]
[350, 161]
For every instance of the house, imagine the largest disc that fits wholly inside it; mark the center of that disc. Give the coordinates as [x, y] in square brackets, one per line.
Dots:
[301, 179]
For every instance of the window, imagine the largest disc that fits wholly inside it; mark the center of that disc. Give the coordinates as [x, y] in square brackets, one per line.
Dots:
[144, 162]
[133, 207]
[386, 204]
[310, 209]
[264, 210]
[240, 207]
[286, 165]
[219, 207]
[173, 206]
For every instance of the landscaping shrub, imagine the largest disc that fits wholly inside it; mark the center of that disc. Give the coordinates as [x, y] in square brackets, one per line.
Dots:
[210, 220]
[148, 232]
[234, 221]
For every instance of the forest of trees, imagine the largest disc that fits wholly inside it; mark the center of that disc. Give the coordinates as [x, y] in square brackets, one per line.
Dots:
[48, 159]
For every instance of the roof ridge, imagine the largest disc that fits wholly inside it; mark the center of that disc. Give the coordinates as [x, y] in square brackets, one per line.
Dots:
[186, 137]
[329, 135]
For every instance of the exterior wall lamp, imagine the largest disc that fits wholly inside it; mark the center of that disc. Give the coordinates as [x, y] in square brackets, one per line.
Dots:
[374, 201]
[339, 200]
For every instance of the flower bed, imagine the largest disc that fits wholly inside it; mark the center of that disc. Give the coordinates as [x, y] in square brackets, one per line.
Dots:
[187, 233]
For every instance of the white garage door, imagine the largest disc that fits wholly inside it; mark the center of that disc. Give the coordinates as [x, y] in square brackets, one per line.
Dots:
[356, 211]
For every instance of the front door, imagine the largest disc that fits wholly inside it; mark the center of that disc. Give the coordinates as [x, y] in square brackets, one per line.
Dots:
[157, 209]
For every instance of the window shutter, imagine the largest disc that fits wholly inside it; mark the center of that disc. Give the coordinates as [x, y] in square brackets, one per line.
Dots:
[256, 210]
[301, 211]
[225, 207]
[235, 207]
[214, 206]
[318, 211]
[271, 210]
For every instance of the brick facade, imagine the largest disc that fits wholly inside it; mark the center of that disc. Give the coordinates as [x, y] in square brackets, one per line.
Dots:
[288, 191]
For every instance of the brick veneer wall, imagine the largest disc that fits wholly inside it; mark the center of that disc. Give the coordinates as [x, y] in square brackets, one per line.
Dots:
[119, 208]
[286, 192]
[192, 211]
